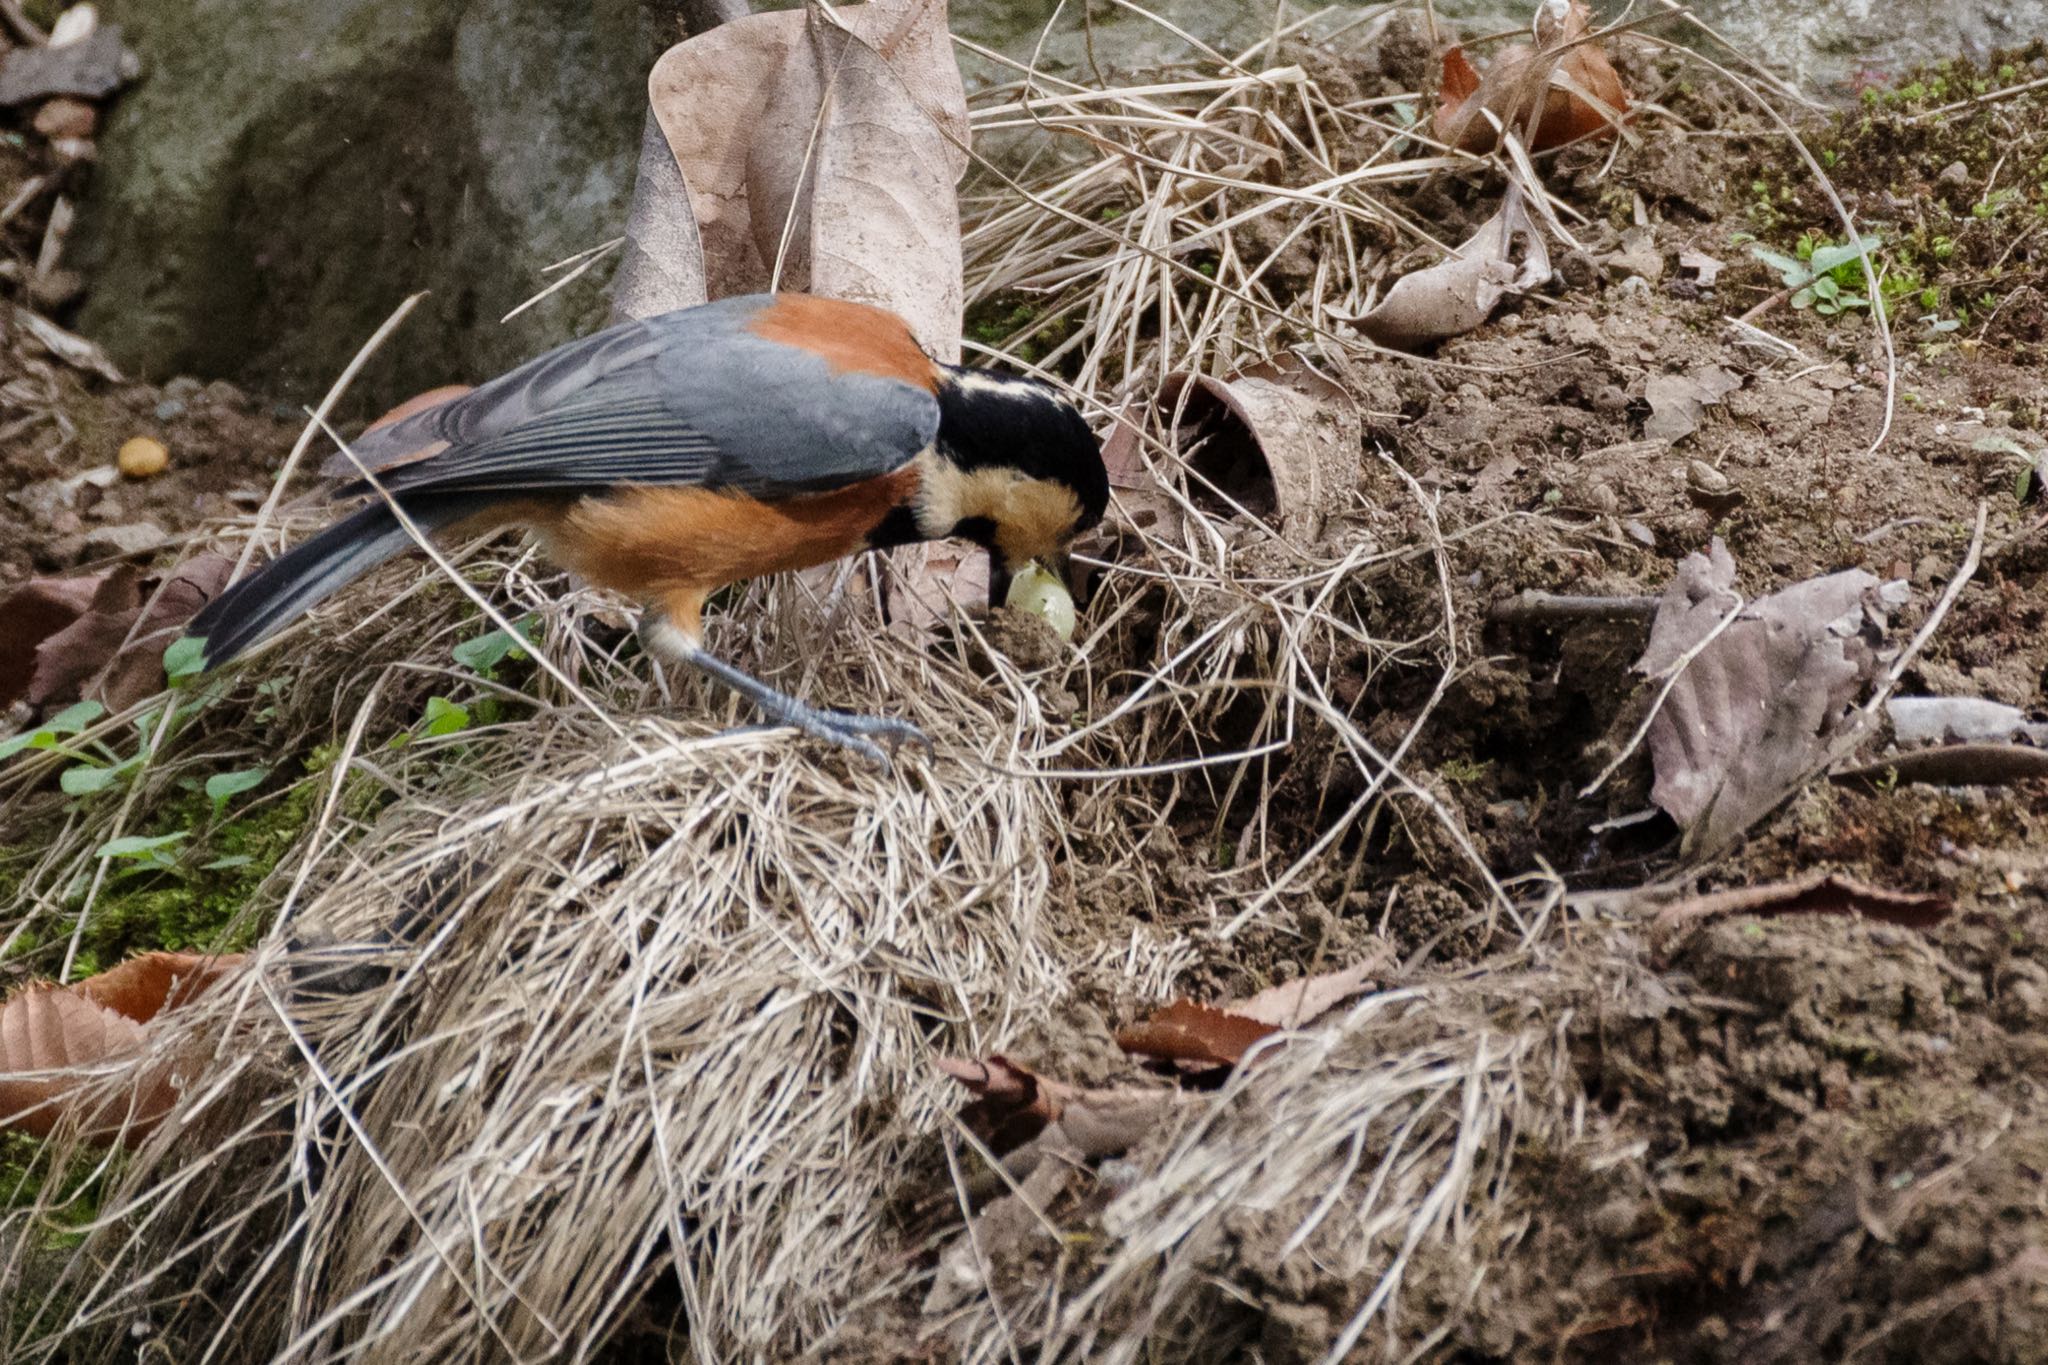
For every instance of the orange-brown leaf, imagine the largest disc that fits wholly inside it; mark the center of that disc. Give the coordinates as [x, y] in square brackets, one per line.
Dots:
[1460, 79]
[1188, 1032]
[1524, 80]
[73, 1034]
[143, 987]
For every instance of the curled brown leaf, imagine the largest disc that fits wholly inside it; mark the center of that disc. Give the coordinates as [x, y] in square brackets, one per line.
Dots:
[1564, 82]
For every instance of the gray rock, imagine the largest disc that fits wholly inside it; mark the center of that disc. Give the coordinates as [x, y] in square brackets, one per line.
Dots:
[286, 174]
[134, 538]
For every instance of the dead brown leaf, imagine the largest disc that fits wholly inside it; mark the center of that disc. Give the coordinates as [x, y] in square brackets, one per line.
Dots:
[111, 650]
[1199, 1034]
[1279, 439]
[1015, 1108]
[1456, 295]
[1293, 1004]
[31, 614]
[829, 143]
[1201, 1037]
[74, 1033]
[1564, 83]
[1756, 710]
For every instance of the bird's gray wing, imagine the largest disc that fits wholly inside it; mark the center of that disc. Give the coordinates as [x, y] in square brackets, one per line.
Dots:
[690, 397]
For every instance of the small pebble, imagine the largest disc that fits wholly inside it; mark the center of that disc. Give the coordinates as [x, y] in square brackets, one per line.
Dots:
[170, 409]
[142, 457]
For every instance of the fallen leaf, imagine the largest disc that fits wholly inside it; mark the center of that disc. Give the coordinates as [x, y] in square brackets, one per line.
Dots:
[111, 646]
[1293, 1004]
[76, 1034]
[829, 142]
[1455, 295]
[1564, 81]
[31, 614]
[1756, 710]
[1819, 893]
[1678, 402]
[1184, 1031]
[1279, 439]
[1015, 1108]
[1198, 1036]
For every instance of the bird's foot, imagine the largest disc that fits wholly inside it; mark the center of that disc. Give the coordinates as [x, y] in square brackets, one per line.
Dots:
[876, 738]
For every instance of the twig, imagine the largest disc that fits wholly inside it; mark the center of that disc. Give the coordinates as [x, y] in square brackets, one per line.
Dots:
[1533, 607]
[1989, 97]
[24, 27]
[1965, 571]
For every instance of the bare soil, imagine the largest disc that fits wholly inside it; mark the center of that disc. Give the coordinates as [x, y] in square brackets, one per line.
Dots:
[1834, 1147]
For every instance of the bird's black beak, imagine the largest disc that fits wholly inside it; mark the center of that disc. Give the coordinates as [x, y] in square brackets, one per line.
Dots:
[999, 576]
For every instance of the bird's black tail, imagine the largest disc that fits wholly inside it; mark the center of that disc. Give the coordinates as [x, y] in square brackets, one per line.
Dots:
[294, 583]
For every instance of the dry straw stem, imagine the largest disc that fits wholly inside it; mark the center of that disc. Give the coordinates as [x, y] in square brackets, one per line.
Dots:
[598, 999]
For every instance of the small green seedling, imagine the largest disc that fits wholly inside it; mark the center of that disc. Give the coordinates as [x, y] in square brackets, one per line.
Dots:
[444, 717]
[480, 654]
[222, 788]
[142, 852]
[51, 733]
[1822, 276]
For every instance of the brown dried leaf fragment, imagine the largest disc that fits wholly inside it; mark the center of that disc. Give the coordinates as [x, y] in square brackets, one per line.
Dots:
[1015, 1109]
[1456, 295]
[1293, 1004]
[829, 143]
[1564, 83]
[75, 1035]
[1202, 1037]
[113, 649]
[1756, 710]
[1279, 439]
[1199, 1034]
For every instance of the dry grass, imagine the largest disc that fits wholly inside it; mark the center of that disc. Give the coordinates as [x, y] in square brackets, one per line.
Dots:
[598, 1004]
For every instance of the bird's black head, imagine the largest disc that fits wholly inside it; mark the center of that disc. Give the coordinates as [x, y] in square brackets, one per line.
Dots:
[1022, 473]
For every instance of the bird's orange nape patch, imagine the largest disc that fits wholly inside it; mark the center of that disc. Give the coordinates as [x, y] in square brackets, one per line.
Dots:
[849, 337]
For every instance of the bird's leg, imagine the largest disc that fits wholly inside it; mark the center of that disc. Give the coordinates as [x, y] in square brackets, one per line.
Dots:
[865, 735]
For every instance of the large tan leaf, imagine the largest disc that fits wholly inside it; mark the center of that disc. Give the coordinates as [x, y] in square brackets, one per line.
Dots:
[1756, 707]
[57, 1041]
[828, 142]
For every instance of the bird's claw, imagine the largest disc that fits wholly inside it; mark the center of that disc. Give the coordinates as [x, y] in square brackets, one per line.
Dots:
[875, 738]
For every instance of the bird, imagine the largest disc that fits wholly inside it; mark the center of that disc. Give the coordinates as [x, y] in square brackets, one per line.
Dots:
[667, 457]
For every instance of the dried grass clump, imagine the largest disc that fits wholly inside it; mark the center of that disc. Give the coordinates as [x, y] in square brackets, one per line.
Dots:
[596, 1010]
